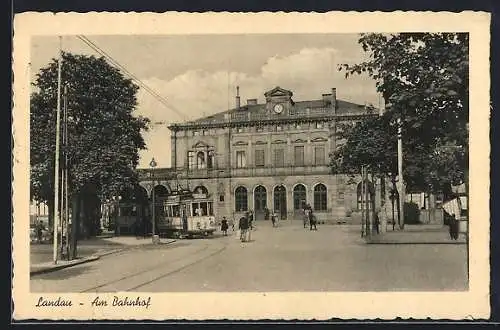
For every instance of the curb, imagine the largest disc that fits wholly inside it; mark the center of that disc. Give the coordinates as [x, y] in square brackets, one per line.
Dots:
[54, 268]
[94, 257]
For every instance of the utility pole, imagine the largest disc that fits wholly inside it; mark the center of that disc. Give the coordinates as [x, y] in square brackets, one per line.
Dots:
[367, 200]
[56, 166]
[362, 201]
[66, 171]
[401, 186]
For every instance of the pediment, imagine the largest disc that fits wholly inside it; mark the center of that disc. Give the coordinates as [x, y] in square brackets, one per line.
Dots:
[260, 142]
[300, 141]
[278, 91]
[199, 145]
[279, 141]
[240, 143]
[319, 139]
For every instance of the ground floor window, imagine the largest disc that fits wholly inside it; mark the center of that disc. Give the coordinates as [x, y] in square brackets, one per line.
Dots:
[299, 197]
[241, 199]
[320, 197]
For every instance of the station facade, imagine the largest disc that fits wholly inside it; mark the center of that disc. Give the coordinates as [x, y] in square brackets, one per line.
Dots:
[266, 157]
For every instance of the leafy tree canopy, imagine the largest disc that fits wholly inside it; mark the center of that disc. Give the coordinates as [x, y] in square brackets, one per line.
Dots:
[424, 77]
[104, 137]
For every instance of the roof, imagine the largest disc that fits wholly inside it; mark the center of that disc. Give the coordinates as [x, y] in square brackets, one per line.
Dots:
[310, 108]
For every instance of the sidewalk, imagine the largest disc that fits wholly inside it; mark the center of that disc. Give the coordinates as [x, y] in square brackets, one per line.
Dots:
[88, 250]
[418, 234]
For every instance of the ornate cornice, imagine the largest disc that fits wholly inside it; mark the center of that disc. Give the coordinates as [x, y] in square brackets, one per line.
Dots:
[269, 121]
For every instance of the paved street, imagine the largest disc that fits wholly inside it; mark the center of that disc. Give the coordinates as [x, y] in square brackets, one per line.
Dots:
[288, 258]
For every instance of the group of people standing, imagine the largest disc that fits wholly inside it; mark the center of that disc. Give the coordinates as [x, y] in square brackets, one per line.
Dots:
[245, 224]
[309, 217]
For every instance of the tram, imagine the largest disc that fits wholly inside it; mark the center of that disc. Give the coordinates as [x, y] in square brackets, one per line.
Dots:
[186, 214]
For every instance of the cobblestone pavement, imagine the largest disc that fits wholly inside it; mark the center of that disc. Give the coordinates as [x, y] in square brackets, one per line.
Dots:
[287, 258]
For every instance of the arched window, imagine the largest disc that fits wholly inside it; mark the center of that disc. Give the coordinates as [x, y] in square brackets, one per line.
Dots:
[200, 160]
[241, 199]
[200, 190]
[299, 196]
[320, 197]
[210, 160]
[260, 198]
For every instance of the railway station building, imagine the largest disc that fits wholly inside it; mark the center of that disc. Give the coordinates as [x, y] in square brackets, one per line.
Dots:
[265, 157]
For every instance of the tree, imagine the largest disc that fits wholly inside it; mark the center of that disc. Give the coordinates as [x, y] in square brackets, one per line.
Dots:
[104, 137]
[424, 76]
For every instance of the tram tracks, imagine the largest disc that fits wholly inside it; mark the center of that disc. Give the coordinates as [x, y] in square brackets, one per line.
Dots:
[149, 275]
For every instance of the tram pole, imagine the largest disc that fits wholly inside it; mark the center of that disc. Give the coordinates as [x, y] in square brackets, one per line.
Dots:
[153, 165]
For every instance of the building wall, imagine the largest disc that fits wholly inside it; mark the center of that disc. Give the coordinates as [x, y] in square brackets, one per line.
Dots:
[227, 138]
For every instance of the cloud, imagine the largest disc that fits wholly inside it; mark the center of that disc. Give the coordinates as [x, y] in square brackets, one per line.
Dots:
[195, 93]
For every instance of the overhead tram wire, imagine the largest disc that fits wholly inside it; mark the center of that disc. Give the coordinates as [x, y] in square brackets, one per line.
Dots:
[115, 63]
[135, 78]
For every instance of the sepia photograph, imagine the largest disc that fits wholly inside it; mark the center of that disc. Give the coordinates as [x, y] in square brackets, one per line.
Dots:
[258, 162]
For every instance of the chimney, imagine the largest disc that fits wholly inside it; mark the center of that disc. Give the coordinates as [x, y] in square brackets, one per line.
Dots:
[252, 102]
[237, 97]
[327, 98]
[334, 99]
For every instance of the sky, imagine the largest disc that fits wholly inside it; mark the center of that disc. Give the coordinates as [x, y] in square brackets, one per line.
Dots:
[198, 74]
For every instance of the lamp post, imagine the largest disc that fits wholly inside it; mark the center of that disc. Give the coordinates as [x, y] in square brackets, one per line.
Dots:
[153, 164]
[401, 186]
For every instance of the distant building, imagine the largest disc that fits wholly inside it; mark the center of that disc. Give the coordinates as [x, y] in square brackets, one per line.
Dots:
[273, 155]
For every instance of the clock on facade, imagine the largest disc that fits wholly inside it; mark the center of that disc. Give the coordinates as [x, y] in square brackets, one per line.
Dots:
[278, 108]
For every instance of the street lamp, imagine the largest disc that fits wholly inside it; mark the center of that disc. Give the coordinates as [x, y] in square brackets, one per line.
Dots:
[153, 164]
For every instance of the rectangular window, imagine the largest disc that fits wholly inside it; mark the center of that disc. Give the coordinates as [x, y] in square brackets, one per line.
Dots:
[319, 125]
[279, 157]
[297, 126]
[190, 159]
[279, 128]
[240, 130]
[260, 129]
[259, 158]
[299, 155]
[319, 155]
[241, 160]
[196, 133]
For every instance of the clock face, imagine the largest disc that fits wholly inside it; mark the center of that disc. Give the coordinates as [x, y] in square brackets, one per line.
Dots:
[278, 108]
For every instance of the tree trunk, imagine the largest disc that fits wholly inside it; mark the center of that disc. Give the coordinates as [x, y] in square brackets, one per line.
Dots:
[395, 199]
[50, 206]
[75, 216]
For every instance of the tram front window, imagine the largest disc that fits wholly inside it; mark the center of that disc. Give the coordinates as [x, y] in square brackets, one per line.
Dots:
[210, 209]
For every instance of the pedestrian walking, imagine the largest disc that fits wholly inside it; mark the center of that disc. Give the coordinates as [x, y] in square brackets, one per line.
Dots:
[39, 231]
[224, 226]
[453, 227]
[243, 227]
[273, 219]
[305, 217]
[312, 221]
